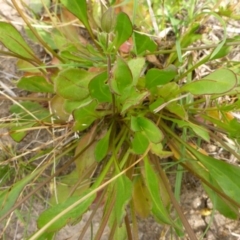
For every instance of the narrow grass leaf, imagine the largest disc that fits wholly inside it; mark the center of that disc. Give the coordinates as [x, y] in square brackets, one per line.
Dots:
[219, 82]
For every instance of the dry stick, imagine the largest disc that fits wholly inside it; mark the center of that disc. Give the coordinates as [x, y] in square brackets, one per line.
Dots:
[45, 182]
[186, 224]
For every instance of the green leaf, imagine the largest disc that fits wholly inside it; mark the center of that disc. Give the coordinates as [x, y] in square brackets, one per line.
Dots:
[73, 214]
[226, 175]
[20, 131]
[79, 9]
[123, 29]
[134, 124]
[123, 195]
[221, 52]
[219, 82]
[223, 206]
[102, 147]
[159, 210]
[9, 196]
[159, 102]
[12, 39]
[70, 105]
[157, 149]
[136, 66]
[135, 98]
[35, 84]
[152, 132]
[140, 143]
[73, 83]
[143, 43]
[199, 130]
[122, 76]
[177, 109]
[99, 89]
[156, 77]
[168, 91]
[85, 116]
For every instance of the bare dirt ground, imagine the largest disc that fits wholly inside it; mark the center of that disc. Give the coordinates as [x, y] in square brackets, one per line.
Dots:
[193, 201]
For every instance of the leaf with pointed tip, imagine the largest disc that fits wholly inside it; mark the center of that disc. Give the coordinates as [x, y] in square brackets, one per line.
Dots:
[152, 132]
[35, 84]
[99, 89]
[122, 76]
[79, 9]
[156, 77]
[143, 43]
[123, 29]
[159, 210]
[12, 39]
[219, 82]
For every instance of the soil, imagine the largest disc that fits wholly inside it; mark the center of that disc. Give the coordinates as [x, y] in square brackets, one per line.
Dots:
[193, 200]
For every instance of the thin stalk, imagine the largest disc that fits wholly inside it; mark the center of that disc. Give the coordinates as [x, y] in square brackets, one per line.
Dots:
[109, 67]
[236, 43]
[184, 221]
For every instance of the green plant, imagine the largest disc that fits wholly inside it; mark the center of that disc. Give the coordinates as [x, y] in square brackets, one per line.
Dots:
[129, 112]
